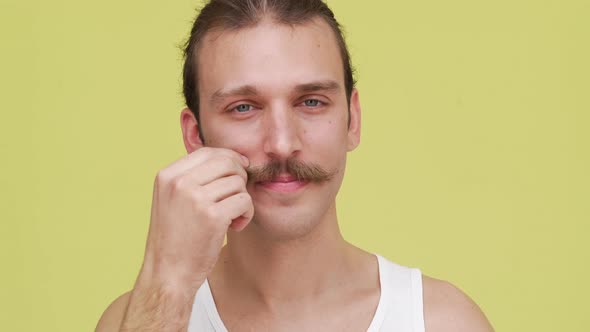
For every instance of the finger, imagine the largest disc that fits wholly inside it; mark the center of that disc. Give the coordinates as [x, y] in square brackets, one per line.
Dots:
[213, 169]
[238, 205]
[244, 220]
[239, 223]
[225, 187]
[200, 156]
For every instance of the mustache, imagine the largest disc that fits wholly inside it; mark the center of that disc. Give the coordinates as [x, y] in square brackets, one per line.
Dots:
[303, 171]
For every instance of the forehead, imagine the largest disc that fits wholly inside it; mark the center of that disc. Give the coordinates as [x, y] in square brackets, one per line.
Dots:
[270, 56]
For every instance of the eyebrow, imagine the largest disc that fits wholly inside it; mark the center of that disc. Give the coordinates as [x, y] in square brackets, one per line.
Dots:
[250, 90]
[328, 86]
[245, 90]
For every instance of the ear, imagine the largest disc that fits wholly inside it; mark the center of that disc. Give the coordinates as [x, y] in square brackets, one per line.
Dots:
[354, 129]
[190, 131]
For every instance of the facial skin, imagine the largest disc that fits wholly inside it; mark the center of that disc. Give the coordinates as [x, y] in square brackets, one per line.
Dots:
[276, 93]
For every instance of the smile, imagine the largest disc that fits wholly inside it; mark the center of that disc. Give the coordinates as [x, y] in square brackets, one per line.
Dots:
[284, 184]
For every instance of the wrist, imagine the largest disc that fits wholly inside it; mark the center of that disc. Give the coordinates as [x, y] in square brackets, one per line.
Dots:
[170, 284]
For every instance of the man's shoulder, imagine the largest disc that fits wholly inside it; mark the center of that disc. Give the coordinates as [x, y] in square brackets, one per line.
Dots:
[113, 316]
[448, 308]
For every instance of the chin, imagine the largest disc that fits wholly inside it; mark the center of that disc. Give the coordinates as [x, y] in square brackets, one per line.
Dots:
[294, 216]
[284, 224]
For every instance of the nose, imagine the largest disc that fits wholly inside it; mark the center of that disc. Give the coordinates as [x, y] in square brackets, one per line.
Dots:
[282, 128]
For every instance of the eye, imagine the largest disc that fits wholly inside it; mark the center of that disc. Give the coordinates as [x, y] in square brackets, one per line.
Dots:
[312, 103]
[242, 108]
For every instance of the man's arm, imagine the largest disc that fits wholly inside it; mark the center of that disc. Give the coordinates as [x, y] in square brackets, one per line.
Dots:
[448, 309]
[195, 201]
[149, 309]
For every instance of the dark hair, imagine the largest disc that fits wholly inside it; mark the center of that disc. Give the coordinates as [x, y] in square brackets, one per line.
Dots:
[237, 14]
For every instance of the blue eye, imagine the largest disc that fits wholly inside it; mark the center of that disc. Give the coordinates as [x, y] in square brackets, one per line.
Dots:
[243, 108]
[312, 102]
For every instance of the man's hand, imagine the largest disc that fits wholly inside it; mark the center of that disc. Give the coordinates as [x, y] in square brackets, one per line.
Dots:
[195, 200]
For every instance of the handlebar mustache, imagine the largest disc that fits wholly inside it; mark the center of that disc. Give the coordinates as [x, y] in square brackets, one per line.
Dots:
[303, 171]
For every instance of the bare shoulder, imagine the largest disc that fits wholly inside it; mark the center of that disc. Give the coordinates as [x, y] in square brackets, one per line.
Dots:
[447, 308]
[113, 316]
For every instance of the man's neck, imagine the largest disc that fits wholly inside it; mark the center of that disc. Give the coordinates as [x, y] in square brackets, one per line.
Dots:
[272, 272]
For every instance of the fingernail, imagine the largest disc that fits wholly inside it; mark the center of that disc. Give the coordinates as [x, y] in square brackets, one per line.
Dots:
[246, 160]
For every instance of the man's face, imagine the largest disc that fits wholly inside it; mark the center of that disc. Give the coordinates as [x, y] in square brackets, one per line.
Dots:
[276, 93]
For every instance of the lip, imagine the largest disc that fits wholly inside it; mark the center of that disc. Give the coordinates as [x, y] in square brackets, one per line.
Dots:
[284, 184]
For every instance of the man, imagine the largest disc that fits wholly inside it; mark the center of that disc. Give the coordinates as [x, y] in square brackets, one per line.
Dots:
[271, 114]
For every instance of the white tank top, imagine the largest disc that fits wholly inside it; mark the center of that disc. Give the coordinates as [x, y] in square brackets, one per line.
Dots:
[400, 307]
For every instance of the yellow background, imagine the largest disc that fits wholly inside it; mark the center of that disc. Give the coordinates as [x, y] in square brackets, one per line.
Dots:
[473, 164]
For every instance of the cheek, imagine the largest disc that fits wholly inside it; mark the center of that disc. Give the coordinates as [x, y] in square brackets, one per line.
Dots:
[235, 136]
[327, 139]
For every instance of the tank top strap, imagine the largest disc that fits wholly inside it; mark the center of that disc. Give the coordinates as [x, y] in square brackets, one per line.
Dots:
[204, 315]
[401, 298]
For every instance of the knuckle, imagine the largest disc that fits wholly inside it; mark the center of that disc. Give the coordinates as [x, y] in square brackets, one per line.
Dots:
[237, 170]
[233, 155]
[161, 177]
[243, 174]
[199, 205]
[197, 197]
[212, 214]
[229, 163]
[240, 168]
[237, 181]
[177, 184]
[245, 198]
[226, 162]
